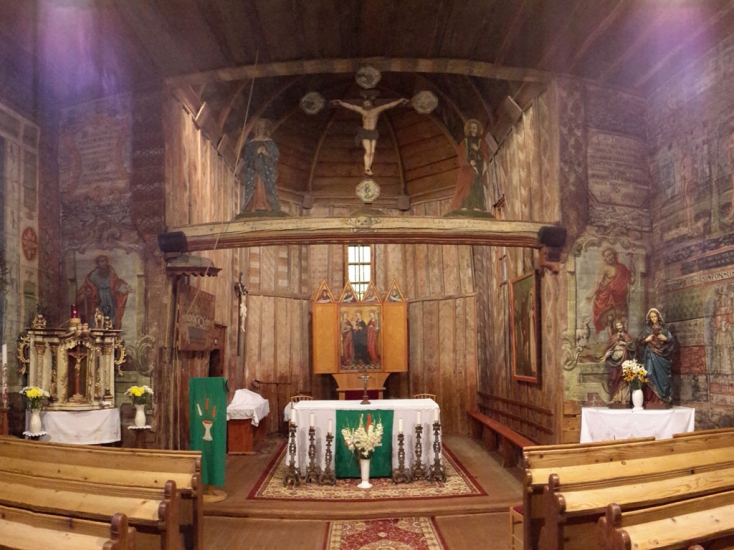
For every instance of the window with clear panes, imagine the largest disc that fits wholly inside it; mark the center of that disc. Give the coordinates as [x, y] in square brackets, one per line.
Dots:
[359, 267]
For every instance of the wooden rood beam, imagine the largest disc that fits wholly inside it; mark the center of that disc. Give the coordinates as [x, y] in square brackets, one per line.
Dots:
[384, 64]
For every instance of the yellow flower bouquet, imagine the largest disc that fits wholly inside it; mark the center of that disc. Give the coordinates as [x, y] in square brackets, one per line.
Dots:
[139, 394]
[34, 396]
[634, 374]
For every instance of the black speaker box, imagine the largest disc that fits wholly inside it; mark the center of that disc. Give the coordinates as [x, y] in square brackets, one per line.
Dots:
[553, 237]
[172, 242]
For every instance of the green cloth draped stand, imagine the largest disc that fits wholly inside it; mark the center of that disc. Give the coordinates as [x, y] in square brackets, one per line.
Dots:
[346, 462]
[208, 404]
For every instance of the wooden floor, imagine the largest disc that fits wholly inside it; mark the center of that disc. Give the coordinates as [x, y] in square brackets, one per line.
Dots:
[464, 522]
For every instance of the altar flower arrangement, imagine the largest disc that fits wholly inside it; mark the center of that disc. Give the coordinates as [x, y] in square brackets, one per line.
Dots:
[34, 396]
[139, 394]
[364, 440]
[634, 374]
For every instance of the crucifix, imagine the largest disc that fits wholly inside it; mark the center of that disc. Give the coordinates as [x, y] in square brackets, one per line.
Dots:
[241, 291]
[78, 354]
[365, 400]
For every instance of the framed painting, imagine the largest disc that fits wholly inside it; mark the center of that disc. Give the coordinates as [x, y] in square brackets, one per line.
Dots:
[524, 327]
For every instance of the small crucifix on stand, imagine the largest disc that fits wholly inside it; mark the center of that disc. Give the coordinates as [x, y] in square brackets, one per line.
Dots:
[78, 354]
[365, 400]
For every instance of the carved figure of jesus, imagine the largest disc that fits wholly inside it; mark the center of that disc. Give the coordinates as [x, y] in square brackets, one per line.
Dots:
[368, 135]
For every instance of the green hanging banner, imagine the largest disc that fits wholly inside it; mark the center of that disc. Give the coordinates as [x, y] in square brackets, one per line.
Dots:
[346, 462]
[208, 419]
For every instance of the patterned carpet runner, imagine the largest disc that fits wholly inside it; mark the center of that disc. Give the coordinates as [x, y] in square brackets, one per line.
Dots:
[384, 534]
[458, 484]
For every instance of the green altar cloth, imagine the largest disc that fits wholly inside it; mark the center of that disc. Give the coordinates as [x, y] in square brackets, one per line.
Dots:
[208, 416]
[346, 463]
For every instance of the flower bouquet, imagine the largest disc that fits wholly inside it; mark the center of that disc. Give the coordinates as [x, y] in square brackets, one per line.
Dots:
[139, 394]
[634, 374]
[364, 440]
[34, 397]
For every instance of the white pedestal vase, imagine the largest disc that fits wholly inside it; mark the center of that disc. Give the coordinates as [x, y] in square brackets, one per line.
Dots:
[35, 425]
[638, 399]
[364, 470]
[140, 419]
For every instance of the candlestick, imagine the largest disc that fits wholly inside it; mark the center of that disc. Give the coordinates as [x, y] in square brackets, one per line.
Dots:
[418, 420]
[400, 425]
[329, 429]
[311, 419]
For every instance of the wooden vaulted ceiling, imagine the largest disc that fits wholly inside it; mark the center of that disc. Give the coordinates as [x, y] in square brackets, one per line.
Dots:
[231, 61]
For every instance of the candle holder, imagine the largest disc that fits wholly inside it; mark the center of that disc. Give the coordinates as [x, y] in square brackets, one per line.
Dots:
[328, 477]
[401, 474]
[313, 471]
[418, 471]
[438, 472]
[292, 476]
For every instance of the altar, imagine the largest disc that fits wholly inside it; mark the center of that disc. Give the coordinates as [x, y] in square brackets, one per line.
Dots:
[405, 413]
[94, 427]
[603, 424]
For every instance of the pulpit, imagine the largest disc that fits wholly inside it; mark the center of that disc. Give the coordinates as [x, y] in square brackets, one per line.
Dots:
[75, 366]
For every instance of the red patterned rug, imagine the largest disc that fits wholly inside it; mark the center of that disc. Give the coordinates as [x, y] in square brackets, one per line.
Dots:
[459, 483]
[384, 534]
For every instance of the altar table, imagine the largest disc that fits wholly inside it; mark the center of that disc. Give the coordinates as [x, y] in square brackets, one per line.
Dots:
[603, 424]
[405, 409]
[93, 427]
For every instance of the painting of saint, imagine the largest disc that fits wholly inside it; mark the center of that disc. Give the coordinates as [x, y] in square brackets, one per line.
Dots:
[609, 295]
[360, 337]
[346, 330]
[104, 290]
[260, 158]
[523, 324]
[473, 158]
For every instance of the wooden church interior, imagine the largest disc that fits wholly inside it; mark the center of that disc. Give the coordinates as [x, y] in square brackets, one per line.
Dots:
[607, 137]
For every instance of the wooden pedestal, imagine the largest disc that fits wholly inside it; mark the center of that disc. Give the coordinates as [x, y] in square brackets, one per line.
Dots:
[242, 436]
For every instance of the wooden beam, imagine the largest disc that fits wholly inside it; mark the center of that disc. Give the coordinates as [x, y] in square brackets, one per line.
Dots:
[521, 15]
[598, 31]
[561, 34]
[360, 227]
[345, 66]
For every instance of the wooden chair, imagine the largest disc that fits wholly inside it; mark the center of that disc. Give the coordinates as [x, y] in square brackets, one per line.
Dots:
[297, 398]
[425, 396]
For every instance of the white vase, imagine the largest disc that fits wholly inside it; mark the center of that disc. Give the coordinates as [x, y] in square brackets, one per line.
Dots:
[36, 427]
[364, 470]
[637, 399]
[140, 419]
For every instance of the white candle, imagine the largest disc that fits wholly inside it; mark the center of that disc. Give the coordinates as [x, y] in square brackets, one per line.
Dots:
[293, 416]
[435, 416]
[329, 429]
[400, 425]
[418, 420]
[311, 424]
[5, 375]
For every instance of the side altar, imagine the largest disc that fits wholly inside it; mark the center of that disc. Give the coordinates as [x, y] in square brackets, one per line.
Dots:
[76, 366]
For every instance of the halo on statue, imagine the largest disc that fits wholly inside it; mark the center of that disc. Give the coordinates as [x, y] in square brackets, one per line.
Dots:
[367, 77]
[368, 190]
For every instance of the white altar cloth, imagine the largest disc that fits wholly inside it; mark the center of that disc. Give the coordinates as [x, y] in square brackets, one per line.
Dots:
[603, 424]
[405, 409]
[248, 404]
[80, 427]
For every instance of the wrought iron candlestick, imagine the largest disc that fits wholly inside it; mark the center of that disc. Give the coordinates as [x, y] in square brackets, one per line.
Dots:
[328, 476]
[314, 470]
[293, 475]
[401, 474]
[438, 472]
[418, 471]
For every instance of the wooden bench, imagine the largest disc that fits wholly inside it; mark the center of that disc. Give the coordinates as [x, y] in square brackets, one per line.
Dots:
[24, 530]
[634, 476]
[707, 519]
[501, 438]
[541, 461]
[125, 473]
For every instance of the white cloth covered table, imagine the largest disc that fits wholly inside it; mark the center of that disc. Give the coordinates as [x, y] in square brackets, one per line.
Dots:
[80, 427]
[405, 409]
[248, 404]
[603, 424]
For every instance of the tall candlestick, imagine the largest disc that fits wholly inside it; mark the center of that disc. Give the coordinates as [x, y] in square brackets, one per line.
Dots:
[329, 430]
[418, 420]
[435, 415]
[311, 424]
[400, 425]
[5, 375]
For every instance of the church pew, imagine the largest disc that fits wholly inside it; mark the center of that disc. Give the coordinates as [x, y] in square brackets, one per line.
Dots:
[646, 474]
[154, 516]
[24, 530]
[706, 520]
[503, 438]
[134, 471]
[540, 461]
